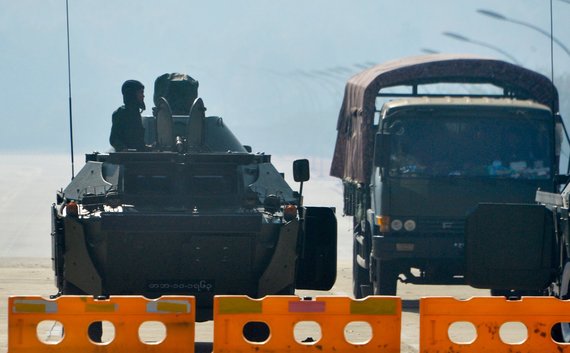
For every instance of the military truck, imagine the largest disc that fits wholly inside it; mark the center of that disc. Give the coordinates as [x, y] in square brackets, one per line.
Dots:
[422, 141]
[196, 213]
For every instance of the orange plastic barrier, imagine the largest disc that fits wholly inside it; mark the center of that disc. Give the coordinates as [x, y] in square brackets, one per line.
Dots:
[281, 314]
[77, 313]
[488, 316]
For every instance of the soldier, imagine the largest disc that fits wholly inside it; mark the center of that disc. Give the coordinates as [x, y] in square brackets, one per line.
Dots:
[127, 131]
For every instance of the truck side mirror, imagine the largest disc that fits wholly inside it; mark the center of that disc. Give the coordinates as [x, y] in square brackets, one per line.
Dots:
[301, 170]
[382, 142]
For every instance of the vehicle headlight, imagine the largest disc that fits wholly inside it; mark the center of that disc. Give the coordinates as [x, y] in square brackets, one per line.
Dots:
[410, 225]
[396, 225]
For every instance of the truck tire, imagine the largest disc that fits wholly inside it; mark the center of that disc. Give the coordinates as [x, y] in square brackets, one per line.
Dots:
[385, 278]
[360, 276]
[514, 293]
[561, 331]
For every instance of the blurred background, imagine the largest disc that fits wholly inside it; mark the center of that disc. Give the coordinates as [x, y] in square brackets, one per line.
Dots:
[275, 71]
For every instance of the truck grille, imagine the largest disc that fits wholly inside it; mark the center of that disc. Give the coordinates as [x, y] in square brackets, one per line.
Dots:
[446, 226]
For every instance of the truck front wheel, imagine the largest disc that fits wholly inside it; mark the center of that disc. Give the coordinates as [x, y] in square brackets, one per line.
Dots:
[385, 277]
[561, 331]
[360, 276]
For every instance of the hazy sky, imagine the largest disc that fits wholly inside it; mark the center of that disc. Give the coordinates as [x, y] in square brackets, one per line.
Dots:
[274, 70]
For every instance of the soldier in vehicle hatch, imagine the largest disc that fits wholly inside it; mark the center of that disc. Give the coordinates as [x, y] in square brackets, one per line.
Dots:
[127, 132]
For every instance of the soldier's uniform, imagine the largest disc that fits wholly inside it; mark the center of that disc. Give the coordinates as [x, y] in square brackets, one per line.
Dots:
[127, 131]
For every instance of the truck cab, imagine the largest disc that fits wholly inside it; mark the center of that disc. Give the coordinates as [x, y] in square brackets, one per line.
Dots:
[437, 158]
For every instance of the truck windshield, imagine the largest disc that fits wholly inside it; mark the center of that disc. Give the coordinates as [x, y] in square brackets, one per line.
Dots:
[513, 145]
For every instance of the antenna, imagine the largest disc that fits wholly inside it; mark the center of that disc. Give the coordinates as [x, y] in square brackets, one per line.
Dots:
[552, 74]
[69, 88]
[551, 44]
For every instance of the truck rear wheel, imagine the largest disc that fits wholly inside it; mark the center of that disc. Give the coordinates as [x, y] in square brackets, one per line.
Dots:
[385, 280]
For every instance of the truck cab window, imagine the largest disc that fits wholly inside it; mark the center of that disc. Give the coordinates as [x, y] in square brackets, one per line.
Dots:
[421, 147]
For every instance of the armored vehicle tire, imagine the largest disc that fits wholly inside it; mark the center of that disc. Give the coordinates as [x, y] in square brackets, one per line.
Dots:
[513, 293]
[360, 276]
[256, 331]
[70, 289]
[95, 329]
[289, 290]
[385, 278]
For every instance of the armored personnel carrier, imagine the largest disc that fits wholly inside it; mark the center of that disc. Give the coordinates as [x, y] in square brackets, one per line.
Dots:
[196, 214]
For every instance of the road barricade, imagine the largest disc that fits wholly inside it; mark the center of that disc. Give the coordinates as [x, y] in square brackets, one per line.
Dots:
[239, 318]
[73, 316]
[530, 320]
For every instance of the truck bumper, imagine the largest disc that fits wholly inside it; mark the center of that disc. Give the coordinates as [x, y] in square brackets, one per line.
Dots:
[388, 248]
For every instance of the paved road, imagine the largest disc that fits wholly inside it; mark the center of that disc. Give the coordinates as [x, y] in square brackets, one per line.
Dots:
[28, 185]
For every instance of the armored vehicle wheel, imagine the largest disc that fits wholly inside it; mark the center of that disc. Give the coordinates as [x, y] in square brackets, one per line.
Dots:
[289, 290]
[360, 276]
[385, 278]
[513, 293]
[95, 329]
[70, 289]
[256, 331]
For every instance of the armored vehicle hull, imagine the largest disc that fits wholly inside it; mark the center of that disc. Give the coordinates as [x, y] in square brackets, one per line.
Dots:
[195, 214]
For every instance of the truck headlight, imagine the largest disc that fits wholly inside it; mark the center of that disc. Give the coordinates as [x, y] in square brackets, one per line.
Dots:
[396, 225]
[410, 225]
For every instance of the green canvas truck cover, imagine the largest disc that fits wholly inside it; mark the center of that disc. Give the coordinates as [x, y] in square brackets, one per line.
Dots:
[352, 158]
